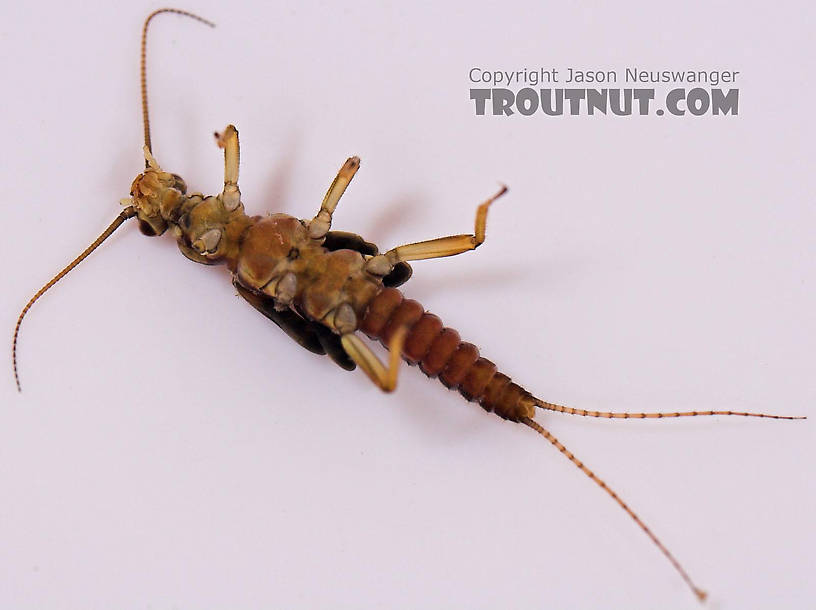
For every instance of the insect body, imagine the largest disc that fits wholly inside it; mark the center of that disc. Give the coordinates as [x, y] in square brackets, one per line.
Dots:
[326, 288]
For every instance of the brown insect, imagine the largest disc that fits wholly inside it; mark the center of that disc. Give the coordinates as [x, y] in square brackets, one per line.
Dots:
[325, 288]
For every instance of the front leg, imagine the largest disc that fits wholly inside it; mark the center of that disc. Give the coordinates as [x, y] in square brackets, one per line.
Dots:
[321, 223]
[231, 195]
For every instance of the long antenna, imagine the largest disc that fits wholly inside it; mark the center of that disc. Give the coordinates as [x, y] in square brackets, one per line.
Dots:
[143, 65]
[128, 212]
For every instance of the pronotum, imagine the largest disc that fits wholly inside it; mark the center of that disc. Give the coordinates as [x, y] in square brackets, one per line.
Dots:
[370, 306]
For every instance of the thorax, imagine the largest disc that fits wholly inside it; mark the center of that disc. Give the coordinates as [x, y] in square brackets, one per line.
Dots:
[279, 259]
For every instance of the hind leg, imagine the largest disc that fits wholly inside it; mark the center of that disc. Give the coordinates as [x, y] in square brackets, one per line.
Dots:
[361, 354]
[435, 248]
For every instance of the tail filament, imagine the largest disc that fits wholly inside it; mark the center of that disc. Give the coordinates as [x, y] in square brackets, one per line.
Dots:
[701, 595]
[626, 415]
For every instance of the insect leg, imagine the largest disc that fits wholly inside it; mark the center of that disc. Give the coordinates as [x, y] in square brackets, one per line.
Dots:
[385, 378]
[321, 223]
[436, 248]
[231, 195]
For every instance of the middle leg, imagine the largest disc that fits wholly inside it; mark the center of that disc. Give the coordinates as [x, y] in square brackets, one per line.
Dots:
[321, 223]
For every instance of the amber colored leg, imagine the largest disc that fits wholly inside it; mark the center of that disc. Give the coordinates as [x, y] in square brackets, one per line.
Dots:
[231, 196]
[321, 223]
[436, 248]
[385, 378]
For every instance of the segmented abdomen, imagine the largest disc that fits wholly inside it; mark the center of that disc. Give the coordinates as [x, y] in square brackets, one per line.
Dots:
[440, 353]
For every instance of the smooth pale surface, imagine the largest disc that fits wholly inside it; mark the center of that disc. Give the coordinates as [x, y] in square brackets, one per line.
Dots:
[173, 449]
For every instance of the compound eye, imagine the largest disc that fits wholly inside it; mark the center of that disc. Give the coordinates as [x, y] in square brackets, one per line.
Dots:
[146, 228]
[179, 184]
[151, 225]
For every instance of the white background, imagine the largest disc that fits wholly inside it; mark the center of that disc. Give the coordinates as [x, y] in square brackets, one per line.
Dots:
[172, 449]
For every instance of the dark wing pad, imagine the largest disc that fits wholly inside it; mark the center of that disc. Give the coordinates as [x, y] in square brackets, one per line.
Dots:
[343, 240]
[311, 335]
